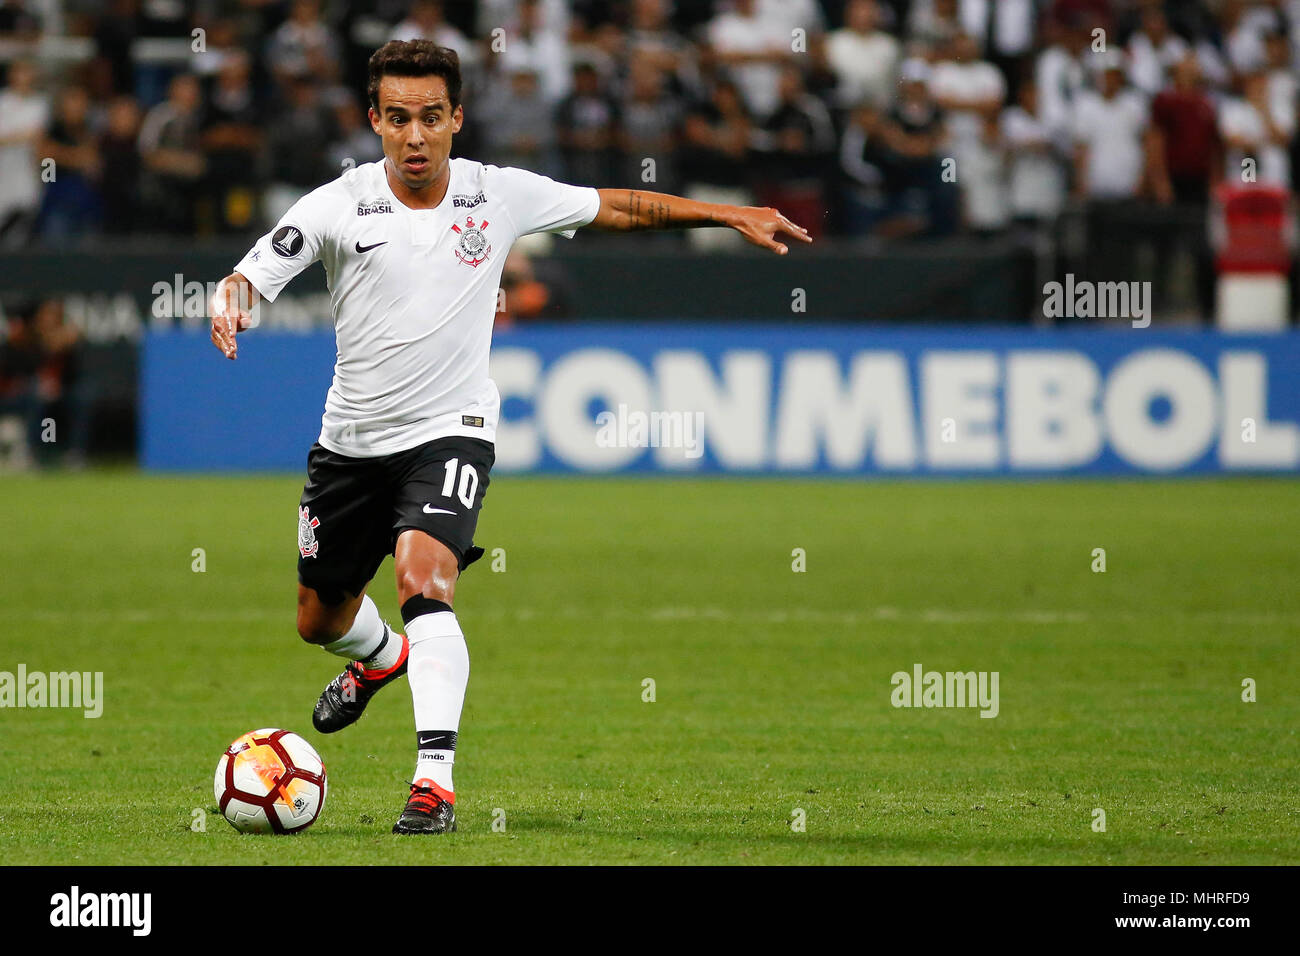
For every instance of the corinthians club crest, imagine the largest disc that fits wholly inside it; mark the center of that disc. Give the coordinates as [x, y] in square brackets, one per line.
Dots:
[307, 525]
[473, 246]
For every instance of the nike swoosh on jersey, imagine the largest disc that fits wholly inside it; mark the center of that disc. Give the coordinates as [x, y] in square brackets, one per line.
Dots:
[361, 248]
[437, 511]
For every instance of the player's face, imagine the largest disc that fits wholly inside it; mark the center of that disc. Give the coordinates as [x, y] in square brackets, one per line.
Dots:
[416, 122]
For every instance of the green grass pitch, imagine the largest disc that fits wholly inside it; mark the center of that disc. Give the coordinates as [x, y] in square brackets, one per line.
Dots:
[1119, 690]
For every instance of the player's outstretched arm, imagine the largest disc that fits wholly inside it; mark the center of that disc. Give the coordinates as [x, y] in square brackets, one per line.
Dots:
[232, 311]
[623, 210]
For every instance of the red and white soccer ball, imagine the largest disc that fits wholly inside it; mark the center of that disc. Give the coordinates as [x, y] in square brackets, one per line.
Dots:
[270, 781]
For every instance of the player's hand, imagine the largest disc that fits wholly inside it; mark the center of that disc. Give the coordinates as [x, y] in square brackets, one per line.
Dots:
[230, 315]
[760, 225]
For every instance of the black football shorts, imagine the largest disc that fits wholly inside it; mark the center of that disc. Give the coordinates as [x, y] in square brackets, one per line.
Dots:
[353, 509]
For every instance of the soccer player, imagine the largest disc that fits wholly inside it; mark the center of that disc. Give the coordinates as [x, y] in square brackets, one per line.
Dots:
[413, 248]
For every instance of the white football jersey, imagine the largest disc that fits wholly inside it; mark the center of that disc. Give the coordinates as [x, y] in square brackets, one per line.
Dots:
[413, 293]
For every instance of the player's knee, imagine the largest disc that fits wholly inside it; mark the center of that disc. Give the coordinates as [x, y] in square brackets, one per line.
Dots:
[437, 580]
[324, 614]
[315, 629]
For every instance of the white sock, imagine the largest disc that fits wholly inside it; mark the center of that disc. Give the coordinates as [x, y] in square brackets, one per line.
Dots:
[365, 636]
[438, 671]
[389, 653]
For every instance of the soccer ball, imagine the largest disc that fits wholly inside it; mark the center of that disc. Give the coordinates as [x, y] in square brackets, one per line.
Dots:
[270, 781]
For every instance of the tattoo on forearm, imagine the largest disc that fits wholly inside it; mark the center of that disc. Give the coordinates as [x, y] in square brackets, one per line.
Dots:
[647, 213]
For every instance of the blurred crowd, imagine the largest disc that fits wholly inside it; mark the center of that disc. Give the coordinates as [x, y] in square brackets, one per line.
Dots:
[44, 404]
[891, 118]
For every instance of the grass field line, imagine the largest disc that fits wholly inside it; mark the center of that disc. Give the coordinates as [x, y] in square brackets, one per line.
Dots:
[674, 613]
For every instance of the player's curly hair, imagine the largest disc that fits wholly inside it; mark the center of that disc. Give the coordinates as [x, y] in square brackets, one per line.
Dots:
[414, 58]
